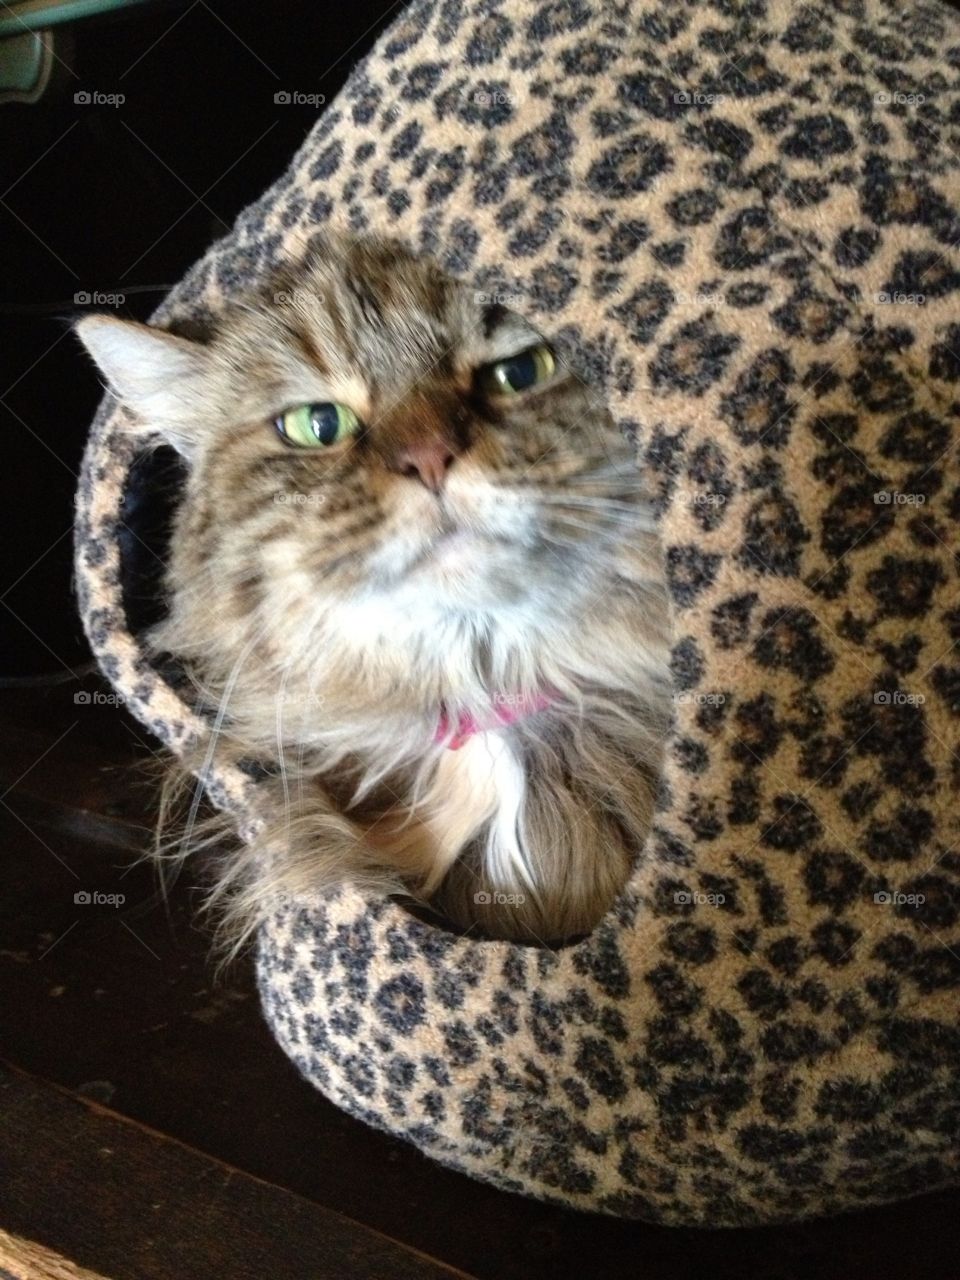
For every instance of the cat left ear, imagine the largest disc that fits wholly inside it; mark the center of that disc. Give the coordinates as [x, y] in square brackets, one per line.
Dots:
[158, 376]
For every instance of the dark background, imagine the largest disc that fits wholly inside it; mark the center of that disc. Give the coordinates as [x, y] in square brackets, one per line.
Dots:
[122, 1005]
[123, 200]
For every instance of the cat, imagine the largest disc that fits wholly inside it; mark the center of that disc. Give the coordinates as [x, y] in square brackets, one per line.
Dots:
[416, 572]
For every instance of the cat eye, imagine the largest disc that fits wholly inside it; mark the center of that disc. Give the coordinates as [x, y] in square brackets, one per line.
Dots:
[518, 373]
[311, 425]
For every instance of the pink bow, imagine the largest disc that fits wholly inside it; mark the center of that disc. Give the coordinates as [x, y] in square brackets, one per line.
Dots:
[506, 711]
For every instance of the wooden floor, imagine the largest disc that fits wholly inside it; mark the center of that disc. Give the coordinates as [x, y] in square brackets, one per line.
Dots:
[118, 1004]
[139, 1203]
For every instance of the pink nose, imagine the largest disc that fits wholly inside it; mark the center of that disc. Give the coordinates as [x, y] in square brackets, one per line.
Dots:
[428, 460]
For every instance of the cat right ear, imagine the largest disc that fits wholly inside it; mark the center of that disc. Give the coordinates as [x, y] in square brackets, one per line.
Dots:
[161, 378]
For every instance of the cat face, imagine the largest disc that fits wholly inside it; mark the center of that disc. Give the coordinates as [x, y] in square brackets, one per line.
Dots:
[375, 451]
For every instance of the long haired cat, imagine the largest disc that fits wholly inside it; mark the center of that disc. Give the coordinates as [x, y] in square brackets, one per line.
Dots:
[415, 572]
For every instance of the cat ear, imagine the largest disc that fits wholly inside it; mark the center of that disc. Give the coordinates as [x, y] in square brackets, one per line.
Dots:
[161, 378]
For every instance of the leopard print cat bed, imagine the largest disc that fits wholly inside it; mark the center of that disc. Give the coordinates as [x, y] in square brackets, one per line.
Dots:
[740, 221]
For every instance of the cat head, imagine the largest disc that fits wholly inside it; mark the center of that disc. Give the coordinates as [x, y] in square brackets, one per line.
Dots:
[376, 449]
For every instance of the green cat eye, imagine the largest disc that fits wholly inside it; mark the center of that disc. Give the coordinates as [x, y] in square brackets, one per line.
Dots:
[519, 373]
[311, 425]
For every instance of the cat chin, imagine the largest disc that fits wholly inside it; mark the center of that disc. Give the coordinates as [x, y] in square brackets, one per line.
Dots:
[437, 601]
[454, 554]
[458, 567]
[441, 613]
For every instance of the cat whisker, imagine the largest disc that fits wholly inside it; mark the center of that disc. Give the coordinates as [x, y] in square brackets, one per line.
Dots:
[619, 498]
[622, 511]
[215, 733]
[602, 522]
[281, 761]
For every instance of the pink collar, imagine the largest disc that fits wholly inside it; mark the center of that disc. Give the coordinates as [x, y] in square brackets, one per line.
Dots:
[507, 709]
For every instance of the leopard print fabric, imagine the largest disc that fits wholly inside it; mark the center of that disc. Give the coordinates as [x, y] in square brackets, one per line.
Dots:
[739, 221]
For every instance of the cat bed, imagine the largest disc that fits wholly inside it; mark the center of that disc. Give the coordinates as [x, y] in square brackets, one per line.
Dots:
[740, 223]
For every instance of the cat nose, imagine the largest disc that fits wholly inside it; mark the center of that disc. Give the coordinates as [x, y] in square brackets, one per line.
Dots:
[427, 460]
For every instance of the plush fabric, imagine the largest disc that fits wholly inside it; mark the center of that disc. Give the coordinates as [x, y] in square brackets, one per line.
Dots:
[739, 220]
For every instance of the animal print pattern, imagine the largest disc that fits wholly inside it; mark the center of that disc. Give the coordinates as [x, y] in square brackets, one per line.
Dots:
[740, 222]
